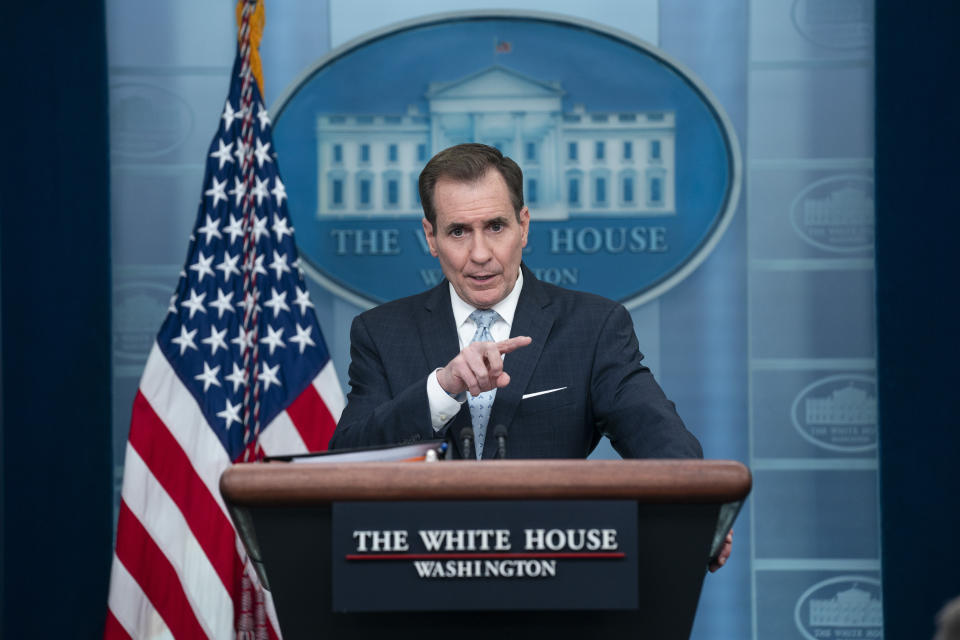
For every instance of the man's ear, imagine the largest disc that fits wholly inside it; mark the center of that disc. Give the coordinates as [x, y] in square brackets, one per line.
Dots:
[428, 234]
[524, 225]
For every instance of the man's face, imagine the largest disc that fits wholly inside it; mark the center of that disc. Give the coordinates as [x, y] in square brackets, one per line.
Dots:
[479, 240]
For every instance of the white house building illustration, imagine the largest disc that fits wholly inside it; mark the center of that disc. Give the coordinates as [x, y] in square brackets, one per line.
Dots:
[848, 406]
[851, 608]
[583, 163]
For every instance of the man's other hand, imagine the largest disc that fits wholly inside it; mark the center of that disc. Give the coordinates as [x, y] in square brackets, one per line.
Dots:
[724, 554]
[479, 367]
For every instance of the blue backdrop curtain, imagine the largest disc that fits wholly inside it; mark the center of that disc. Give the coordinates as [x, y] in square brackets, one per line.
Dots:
[56, 460]
[917, 230]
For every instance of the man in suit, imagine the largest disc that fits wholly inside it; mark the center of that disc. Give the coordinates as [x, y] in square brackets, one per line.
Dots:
[558, 368]
[428, 365]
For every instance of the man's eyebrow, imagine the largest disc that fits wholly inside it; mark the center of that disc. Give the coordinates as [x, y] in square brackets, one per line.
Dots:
[462, 225]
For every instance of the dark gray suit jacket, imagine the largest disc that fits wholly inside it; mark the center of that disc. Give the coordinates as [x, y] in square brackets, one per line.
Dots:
[580, 341]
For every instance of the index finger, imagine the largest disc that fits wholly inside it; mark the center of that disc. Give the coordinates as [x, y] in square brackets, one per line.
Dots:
[512, 344]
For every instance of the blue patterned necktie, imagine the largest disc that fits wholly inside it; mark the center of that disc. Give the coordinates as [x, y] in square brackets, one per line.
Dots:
[480, 405]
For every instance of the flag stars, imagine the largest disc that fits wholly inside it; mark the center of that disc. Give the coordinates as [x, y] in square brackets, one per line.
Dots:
[281, 227]
[241, 151]
[185, 340]
[260, 228]
[238, 378]
[263, 117]
[303, 300]
[279, 264]
[229, 115]
[202, 267]
[262, 152]
[277, 302]
[273, 339]
[244, 341]
[303, 339]
[223, 153]
[234, 229]
[258, 265]
[216, 341]
[210, 229]
[279, 191]
[230, 413]
[217, 191]
[268, 375]
[250, 298]
[259, 190]
[229, 266]
[208, 377]
[239, 190]
[195, 303]
[223, 303]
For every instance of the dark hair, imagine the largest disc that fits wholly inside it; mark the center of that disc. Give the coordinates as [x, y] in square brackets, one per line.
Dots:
[468, 163]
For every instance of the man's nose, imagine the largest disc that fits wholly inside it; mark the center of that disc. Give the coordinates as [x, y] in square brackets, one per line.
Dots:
[479, 251]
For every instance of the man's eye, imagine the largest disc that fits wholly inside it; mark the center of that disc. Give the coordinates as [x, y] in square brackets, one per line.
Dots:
[496, 226]
[456, 233]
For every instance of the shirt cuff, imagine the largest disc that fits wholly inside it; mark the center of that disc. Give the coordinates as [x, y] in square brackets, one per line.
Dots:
[443, 406]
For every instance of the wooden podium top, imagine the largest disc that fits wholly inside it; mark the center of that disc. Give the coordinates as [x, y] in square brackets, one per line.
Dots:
[676, 481]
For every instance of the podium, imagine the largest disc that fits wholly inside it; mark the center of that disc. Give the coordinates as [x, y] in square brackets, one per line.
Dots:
[514, 548]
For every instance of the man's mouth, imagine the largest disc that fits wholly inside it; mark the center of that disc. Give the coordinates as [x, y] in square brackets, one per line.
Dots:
[483, 277]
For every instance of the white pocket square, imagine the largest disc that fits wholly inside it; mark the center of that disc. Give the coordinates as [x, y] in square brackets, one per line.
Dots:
[540, 393]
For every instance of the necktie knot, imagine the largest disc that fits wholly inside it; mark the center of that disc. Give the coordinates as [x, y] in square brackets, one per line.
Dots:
[483, 318]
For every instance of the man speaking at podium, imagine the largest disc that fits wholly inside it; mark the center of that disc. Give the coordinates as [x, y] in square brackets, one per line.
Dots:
[543, 370]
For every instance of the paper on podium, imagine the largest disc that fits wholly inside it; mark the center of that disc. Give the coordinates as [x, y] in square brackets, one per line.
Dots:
[387, 453]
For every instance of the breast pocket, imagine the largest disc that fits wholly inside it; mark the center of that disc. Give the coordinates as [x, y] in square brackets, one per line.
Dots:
[555, 400]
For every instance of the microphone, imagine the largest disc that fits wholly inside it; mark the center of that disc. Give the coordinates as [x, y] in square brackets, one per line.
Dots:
[466, 442]
[500, 433]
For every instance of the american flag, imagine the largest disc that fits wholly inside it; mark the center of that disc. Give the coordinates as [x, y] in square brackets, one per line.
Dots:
[239, 369]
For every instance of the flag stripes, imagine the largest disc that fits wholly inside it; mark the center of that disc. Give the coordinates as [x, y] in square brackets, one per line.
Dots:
[184, 420]
[162, 521]
[129, 606]
[169, 465]
[149, 567]
[113, 630]
[312, 419]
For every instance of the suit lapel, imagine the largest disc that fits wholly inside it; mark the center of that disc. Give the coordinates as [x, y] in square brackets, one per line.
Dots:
[438, 336]
[533, 318]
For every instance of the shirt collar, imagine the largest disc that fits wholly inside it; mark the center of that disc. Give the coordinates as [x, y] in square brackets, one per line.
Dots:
[506, 308]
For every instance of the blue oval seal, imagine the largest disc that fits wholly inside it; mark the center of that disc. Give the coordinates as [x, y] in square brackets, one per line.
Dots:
[841, 607]
[631, 168]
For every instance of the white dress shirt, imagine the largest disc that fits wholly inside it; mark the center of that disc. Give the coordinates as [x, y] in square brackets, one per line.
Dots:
[443, 406]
